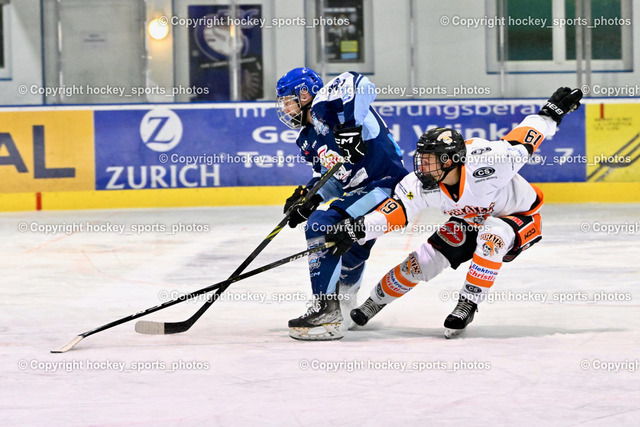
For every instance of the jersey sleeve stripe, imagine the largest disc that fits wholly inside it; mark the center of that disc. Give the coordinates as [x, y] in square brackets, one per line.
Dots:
[394, 213]
[525, 135]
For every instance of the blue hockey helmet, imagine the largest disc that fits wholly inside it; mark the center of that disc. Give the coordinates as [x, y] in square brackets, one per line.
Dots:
[290, 111]
[298, 79]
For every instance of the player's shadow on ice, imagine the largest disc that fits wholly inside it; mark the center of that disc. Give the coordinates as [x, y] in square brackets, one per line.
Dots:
[377, 332]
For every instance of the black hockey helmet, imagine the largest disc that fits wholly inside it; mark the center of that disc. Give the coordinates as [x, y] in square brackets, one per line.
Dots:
[447, 144]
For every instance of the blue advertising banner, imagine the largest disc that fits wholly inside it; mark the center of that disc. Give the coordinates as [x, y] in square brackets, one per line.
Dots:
[236, 145]
[559, 159]
[244, 144]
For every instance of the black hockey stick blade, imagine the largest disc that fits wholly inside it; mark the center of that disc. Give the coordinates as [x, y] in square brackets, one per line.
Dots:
[167, 328]
[215, 287]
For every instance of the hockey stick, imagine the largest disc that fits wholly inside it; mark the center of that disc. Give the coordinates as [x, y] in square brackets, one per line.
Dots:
[221, 285]
[165, 328]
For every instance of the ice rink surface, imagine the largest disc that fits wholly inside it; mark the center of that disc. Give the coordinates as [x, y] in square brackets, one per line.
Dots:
[558, 345]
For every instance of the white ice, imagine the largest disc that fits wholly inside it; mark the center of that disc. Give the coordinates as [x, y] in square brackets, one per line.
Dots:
[520, 363]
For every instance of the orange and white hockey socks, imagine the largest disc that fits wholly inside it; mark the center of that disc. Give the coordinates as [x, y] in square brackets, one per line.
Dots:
[480, 277]
[424, 264]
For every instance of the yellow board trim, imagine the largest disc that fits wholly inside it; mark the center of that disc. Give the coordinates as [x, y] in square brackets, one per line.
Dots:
[572, 192]
[584, 192]
[12, 202]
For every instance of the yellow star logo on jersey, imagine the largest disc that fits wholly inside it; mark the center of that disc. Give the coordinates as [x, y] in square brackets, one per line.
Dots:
[410, 195]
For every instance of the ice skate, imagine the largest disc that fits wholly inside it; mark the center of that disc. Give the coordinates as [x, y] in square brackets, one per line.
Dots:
[321, 322]
[460, 317]
[365, 312]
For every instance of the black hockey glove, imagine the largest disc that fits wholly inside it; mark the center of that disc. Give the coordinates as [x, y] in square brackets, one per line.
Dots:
[350, 142]
[346, 233]
[563, 101]
[296, 197]
[300, 212]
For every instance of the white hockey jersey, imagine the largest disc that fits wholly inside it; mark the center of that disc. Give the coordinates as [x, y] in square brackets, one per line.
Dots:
[489, 183]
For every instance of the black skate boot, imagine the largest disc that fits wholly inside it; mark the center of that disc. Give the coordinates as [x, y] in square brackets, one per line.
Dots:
[365, 312]
[321, 322]
[460, 317]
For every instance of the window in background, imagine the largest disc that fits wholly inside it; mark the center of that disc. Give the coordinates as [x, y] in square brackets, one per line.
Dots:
[339, 35]
[541, 35]
[5, 41]
[606, 40]
[1, 36]
[343, 31]
[529, 42]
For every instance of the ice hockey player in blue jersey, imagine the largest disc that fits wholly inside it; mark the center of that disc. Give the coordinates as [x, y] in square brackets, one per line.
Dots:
[337, 123]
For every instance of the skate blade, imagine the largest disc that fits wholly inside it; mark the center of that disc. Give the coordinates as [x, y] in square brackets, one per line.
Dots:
[326, 332]
[452, 333]
[348, 325]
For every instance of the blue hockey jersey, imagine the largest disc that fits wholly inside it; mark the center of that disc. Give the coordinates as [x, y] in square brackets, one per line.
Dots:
[347, 100]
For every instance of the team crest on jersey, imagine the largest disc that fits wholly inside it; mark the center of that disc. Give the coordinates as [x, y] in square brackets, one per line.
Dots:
[452, 233]
[471, 210]
[328, 158]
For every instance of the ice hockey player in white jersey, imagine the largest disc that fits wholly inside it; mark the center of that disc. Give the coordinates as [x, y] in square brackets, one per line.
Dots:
[494, 212]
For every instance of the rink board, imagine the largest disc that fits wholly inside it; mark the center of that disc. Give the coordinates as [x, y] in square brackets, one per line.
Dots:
[225, 154]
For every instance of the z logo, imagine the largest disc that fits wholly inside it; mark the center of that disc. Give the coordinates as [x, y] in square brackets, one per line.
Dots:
[161, 129]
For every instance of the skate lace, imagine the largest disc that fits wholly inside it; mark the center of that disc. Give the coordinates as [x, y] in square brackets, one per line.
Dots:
[463, 309]
[370, 308]
[313, 307]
